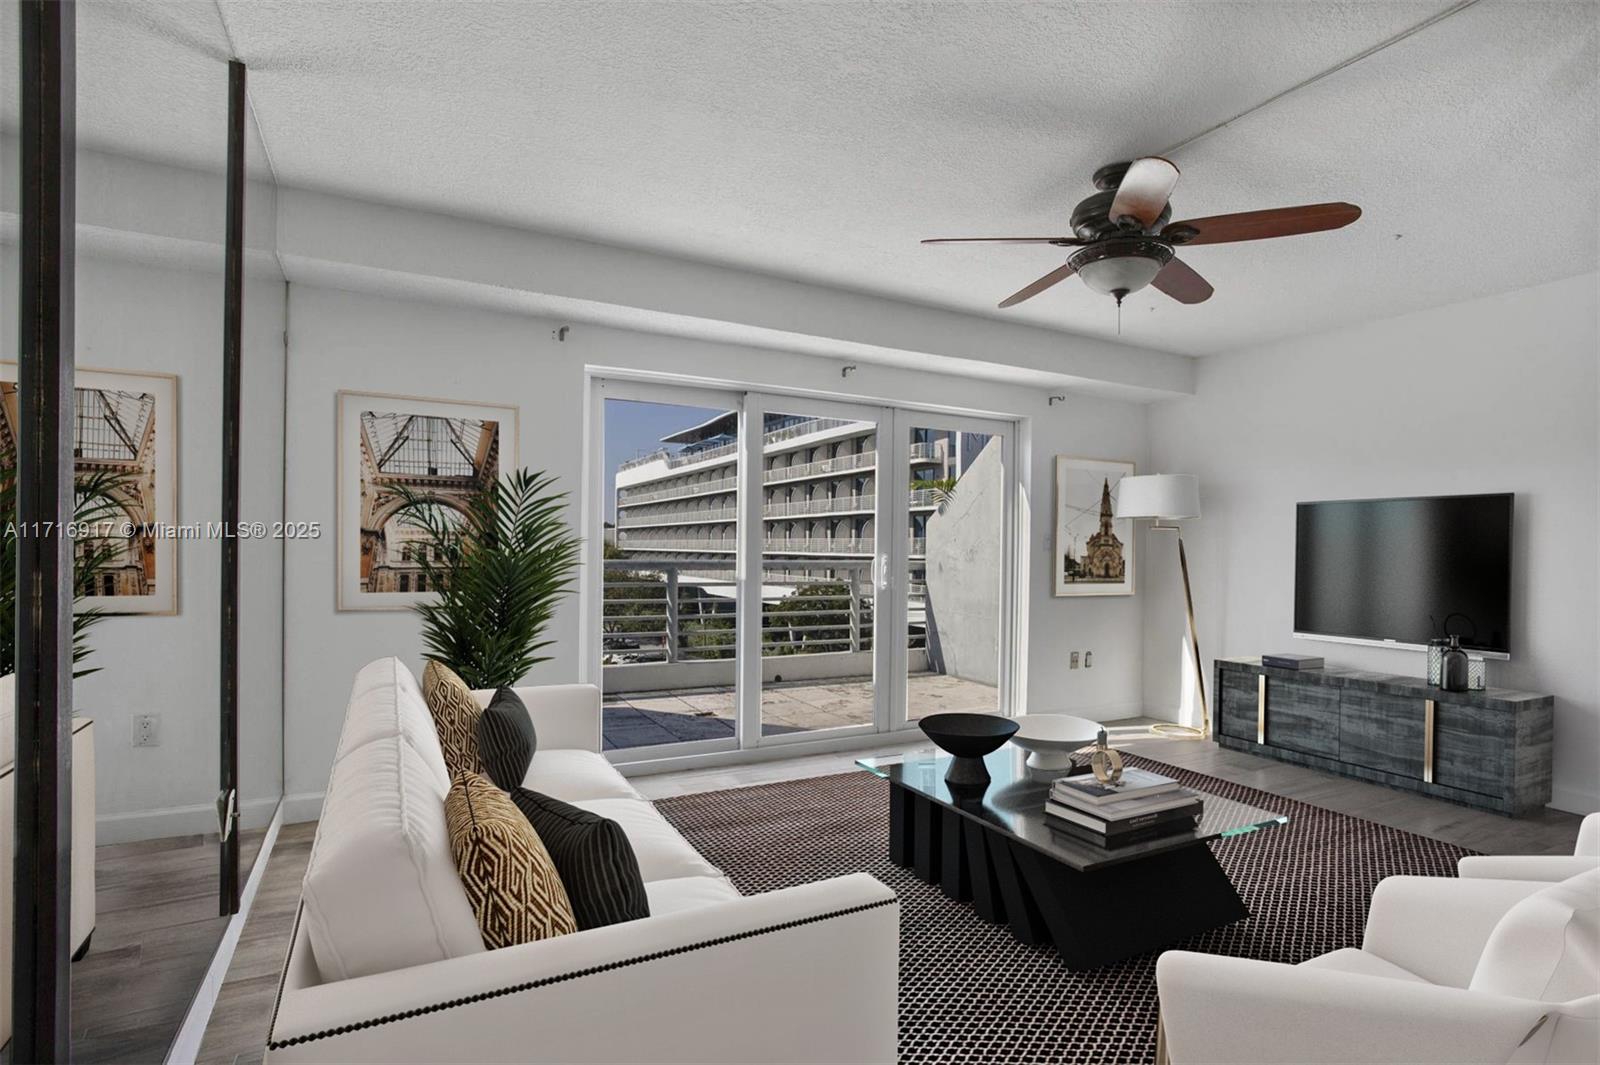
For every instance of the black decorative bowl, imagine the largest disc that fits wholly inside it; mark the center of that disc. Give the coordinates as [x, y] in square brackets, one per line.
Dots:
[967, 737]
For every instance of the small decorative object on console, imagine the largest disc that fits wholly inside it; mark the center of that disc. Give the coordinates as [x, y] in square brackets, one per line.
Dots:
[1292, 661]
[1453, 667]
[968, 737]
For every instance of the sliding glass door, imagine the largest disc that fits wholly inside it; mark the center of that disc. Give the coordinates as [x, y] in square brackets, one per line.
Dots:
[778, 570]
[822, 666]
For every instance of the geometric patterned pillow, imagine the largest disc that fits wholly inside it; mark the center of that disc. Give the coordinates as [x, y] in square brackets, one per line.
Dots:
[508, 875]
[455, 717]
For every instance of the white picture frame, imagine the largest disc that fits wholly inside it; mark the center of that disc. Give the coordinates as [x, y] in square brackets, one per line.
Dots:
[127, 424]
[1093, 553]
[407, 433]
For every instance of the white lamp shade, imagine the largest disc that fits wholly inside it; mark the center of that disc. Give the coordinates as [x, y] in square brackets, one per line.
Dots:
[1168, 496]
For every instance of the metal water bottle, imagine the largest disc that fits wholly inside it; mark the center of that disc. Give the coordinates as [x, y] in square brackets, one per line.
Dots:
[1453, 668]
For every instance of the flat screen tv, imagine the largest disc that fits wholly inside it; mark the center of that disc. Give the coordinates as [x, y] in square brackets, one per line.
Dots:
[1403, 571]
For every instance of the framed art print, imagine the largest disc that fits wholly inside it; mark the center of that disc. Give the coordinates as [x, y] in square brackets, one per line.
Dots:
[125, 443]
[1093, 548]
[442, 450]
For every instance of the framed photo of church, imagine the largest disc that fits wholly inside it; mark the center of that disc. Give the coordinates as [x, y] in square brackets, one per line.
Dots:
[1093, 548]
[388, 446]
[125, 447]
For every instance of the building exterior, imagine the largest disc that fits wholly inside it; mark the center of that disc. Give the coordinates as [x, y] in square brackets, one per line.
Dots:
[818, 495]
[1102, 553]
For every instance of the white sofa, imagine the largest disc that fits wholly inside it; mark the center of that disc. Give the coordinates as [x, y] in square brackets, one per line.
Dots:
[1450, 970]
[82, 863]
[386, 963]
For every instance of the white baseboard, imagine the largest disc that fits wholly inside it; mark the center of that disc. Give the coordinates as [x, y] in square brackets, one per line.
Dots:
[193, 820]
[186, 1045]
[302, 806]
[1574, 801]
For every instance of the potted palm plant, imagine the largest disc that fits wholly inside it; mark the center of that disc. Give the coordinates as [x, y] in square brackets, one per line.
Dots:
[501, 565]
[95, 503]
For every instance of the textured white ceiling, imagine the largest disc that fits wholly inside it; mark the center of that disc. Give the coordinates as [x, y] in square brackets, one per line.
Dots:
[822, 140]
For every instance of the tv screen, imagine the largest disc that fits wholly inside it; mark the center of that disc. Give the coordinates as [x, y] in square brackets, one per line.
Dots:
[1406, 570]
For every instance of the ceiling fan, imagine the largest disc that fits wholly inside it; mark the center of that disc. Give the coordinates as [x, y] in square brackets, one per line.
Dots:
[1126, 238]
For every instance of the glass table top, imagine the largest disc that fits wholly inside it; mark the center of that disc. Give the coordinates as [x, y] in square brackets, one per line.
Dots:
[1014, 803]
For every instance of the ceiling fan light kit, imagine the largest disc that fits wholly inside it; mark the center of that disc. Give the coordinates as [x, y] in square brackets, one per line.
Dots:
[1126, 237]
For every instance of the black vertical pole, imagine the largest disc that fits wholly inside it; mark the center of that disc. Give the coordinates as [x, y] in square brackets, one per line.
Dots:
[232, 326]
[40, 987]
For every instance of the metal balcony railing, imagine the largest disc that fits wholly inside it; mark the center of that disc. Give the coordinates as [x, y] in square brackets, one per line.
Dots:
[924, 451]
[772, 545]
[687, 457]
[836, 505]
[678, 517]
[686, 611]
[823, 467]
[811, 425]
[629, 497]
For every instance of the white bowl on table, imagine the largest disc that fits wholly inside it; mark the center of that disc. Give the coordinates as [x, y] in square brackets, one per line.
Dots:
[1051, 739]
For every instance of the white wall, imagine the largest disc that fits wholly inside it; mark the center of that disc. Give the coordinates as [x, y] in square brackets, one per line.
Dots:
[136, 316]
[343, 340]
[1494, 395]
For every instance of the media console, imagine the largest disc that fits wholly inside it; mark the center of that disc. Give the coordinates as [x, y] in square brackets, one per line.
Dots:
[1489, 749]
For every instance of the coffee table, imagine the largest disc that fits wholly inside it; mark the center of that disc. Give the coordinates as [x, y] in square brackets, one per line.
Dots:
[995, 848]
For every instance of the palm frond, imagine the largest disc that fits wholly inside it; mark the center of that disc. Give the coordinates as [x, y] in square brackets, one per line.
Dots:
[500, 565]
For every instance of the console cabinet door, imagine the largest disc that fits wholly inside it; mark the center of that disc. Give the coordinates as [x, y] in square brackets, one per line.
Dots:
[1472, 748]
[1303, 716]
[1383, 732]
[1236, 701]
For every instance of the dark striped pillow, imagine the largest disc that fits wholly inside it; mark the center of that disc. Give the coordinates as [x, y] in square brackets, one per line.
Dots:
[506, 740]
[593, 856]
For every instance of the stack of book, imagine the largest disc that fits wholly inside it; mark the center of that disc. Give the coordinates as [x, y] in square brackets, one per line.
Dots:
[1139, 807]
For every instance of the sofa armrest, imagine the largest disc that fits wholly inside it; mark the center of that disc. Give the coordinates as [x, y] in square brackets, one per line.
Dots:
[565, 716]
[808, 973]
[1589, 836]
[1548, 868]
[1436, 927]
[1216, 1008]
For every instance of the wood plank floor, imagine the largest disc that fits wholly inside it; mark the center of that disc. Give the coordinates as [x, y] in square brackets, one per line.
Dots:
[239, 1027]
[156, 930]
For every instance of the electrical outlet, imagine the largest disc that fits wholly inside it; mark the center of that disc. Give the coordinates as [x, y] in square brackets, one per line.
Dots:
[1072, 663]
[147, 730]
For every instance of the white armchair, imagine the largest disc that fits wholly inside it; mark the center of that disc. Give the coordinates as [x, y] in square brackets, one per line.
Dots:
[1449, 971]
[1546, 867]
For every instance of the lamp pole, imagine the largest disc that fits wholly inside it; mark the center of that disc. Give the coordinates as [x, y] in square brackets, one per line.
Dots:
[1168, 728]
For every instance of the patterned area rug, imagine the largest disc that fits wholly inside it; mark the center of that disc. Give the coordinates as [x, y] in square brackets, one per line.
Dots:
[969, 992]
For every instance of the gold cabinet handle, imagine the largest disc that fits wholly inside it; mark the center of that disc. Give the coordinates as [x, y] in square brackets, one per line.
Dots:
[1429, 707]
[1261, 708]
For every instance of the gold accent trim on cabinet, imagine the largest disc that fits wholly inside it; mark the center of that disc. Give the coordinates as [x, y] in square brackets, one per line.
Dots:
[1428, 709]
[1261, 708]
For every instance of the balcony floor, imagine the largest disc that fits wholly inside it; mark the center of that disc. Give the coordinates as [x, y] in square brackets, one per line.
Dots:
[645, 719]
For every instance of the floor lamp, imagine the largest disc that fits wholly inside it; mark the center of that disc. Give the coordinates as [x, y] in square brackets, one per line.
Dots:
[1170, 497]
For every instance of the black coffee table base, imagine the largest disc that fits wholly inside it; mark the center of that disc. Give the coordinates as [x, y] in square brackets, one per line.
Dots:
[1093, 918]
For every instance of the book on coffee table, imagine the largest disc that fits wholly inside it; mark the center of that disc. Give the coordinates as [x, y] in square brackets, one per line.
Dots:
[1135, 783]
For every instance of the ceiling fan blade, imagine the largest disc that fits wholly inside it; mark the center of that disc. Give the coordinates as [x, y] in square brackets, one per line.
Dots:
[1178, 280]
[1144, 191]
[1259, 225]
[1054, 277]
[1062, 241]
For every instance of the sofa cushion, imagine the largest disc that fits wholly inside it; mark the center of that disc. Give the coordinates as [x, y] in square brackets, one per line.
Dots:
[455, 717]
[506, 739]
[1546, 947]
[573, 776]
[688, 893]
[508, 874]
[386, 701]
[593, 856]
[1362, 963]
[663, 854]
[381, 890]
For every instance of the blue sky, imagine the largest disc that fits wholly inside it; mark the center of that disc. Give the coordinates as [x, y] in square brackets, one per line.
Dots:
[635, 428]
